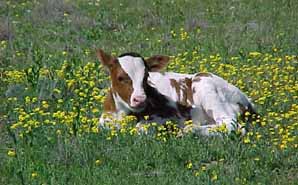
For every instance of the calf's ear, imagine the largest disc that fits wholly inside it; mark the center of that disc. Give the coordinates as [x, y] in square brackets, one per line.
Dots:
[157, 63]
[106, 59]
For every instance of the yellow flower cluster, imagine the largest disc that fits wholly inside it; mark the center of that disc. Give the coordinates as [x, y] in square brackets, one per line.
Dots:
[269, 79]
[78, 112]
[14, 76]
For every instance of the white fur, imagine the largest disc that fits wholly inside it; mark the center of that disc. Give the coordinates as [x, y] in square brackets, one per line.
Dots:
[221, 98]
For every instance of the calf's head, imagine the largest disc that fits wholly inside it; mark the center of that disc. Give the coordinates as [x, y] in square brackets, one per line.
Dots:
[129, 74]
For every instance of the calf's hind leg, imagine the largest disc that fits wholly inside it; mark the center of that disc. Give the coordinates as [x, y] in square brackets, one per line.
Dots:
[212, 109]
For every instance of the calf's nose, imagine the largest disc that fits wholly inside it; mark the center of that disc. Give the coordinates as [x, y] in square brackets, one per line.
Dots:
[138, 100]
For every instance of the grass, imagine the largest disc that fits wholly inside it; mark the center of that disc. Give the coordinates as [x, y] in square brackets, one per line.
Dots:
[52, 88]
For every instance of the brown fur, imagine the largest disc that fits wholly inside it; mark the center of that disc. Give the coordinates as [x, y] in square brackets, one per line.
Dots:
[184, 86]
[109, 103]
[198, 76]
[157, 63]
[189, 93]
[124, 86]
[176, 85]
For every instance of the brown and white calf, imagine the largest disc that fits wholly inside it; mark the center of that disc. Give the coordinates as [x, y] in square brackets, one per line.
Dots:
[139, 88]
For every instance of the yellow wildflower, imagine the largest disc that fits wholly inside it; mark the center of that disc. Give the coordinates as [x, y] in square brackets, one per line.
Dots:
[214, 176]
[34, 174]
[11, 153]
[189, 165]
[98, 162]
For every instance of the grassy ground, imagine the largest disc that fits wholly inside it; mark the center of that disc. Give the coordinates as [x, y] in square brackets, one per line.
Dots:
[52, 88]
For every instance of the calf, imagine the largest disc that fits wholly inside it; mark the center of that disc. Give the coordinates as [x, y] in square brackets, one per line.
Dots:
[139, 88]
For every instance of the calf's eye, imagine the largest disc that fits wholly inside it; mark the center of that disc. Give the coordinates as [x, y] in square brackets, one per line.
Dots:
[123, 79]
[120, 78]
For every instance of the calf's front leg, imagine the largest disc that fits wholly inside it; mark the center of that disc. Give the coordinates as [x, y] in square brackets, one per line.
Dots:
[110, 116]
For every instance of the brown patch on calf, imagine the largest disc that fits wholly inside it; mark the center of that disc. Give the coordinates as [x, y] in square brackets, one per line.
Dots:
[157, 63]
[121, 83]
[109, 103]
[189, 93]
[176, 85]
[183, 90]
[183, 106]
[198, 76]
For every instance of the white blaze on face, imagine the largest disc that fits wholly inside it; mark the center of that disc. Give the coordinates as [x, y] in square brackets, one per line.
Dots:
[135, 68]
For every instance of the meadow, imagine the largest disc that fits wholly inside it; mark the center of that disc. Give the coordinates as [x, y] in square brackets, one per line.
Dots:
[52, 88]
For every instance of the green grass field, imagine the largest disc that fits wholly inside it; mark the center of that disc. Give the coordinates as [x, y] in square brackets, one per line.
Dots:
[52, 88]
